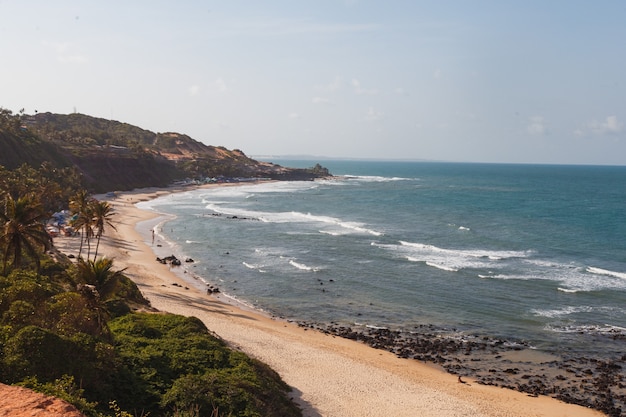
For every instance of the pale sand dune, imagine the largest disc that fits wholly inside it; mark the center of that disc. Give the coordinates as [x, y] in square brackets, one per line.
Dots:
[331, 377]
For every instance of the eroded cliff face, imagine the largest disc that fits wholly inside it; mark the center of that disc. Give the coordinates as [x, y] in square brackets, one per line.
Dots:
[22, 402]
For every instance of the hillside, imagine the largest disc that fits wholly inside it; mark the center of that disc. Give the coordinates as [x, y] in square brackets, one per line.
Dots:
[112, 155]
[18, 145]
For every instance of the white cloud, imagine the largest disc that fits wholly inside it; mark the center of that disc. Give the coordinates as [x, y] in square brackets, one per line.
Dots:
[610, 125]
[64, 52]
[294, 115]
[263, 26]
[221, 125]
[331, 87]
[536, 126]
[72, 59]
[194, 90]
[373, 115]
[320, 100]
[221, 85]
[356, 84]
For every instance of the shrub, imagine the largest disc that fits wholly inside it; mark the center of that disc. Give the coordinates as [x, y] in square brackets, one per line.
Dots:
[189, 369]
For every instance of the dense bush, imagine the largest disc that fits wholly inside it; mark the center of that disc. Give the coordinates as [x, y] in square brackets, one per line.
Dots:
[188, 368]
[62, 341]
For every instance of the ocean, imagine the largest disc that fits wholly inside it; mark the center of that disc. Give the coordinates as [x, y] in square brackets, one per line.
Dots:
[531, 253]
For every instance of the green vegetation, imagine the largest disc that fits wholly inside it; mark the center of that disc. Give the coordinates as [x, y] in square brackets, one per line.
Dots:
[107, 155]
[77, 330]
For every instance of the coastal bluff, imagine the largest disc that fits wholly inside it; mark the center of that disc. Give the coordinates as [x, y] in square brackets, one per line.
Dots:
[22, 402]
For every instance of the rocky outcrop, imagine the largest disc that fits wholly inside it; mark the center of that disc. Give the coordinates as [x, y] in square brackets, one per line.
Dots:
[22, 402]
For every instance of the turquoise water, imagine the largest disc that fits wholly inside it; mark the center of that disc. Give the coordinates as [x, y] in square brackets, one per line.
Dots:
[521, 252]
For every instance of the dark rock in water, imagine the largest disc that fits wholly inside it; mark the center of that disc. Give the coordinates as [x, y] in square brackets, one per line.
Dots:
[189, 260]
[212, 290]
[591, 382]
[172, 260]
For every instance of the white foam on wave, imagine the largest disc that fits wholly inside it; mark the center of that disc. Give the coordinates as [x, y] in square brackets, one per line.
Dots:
[294, 217]
[302, 266]
[442, 267]
[571, 278]
[452, 259]
[375, 178]
[232, 211]
[579, 278]
[355, 226]
[472, 253]
[254, 267]
[433, 264]
[511, 265]
[327, 232]
[568, 290]
[600, 271]
[563, 311]
[599, 329]
[246, 190]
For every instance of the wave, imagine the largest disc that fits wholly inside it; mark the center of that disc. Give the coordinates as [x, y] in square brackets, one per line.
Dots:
[564, 311]
[327, 232]
[568, 290]
[600, 271]
[358, 227]
[594, 329]
[302, 266]
[433, 264]
[510, 265]
[452, 259]
[571, 278]
[472, 253]
[442, 267]
[255, 267]
[293, 217]
[376, 178]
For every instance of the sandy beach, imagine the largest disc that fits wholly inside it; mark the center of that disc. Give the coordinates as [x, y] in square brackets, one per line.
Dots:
[330, 376]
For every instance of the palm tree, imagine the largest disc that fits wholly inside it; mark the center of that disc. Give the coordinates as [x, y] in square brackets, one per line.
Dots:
[82, 218]
[23, 229]
[101, 280]
[102, 212]
[100, 274]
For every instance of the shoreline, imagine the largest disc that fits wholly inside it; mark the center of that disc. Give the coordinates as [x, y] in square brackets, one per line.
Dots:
[331, 376]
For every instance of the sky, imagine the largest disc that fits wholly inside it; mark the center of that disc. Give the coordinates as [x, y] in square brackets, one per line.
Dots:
[469, 81]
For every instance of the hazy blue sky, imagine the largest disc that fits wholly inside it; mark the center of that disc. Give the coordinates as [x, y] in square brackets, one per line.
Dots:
[492, 81]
